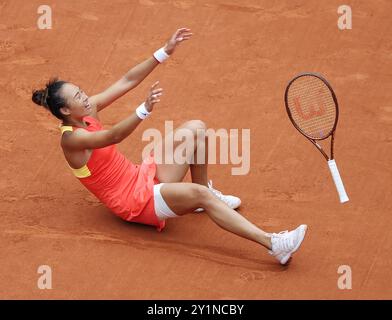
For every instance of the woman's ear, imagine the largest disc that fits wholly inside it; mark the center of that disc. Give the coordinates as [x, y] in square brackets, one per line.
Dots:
[65, 111]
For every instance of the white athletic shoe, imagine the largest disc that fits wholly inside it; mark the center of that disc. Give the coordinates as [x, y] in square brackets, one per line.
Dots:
[285, 243]
[232, 201]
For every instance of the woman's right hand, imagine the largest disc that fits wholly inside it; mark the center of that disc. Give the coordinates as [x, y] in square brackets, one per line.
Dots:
[153, 96]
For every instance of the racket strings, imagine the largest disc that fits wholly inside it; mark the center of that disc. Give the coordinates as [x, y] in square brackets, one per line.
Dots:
[315, 114]
[312, 106]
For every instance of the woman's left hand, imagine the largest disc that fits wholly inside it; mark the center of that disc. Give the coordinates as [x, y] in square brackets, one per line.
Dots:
[179, 36]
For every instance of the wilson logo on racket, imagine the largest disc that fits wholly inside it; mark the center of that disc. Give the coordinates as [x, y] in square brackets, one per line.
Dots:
[313, 110]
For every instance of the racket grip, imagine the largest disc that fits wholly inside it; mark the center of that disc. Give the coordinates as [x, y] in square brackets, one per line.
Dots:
[338, 181]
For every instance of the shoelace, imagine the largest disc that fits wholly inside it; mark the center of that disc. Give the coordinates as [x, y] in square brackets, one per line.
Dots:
[283, 243]
[214, 191]
[226, 199]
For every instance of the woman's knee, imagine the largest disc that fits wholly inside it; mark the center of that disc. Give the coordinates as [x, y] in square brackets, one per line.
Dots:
[195, 125]
[200, 194]
[198, 129]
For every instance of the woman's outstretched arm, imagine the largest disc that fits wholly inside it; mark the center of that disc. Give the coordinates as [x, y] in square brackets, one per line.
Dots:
[82, 139]
[137, 74]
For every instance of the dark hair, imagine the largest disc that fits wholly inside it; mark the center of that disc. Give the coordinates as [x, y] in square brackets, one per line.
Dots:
[50, 97]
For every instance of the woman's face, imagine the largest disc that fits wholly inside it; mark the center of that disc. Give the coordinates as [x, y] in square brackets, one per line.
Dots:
[77, 101]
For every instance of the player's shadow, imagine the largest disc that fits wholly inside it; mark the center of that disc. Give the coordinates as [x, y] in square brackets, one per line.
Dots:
[147, 237]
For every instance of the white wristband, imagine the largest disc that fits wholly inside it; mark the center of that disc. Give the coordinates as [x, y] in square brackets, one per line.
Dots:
[161, 55]
[142, 112]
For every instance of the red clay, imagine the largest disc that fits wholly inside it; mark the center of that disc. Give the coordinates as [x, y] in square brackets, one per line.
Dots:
[232, 74]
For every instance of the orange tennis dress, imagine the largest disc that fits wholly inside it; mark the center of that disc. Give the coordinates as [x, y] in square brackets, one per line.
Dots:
[123, 187]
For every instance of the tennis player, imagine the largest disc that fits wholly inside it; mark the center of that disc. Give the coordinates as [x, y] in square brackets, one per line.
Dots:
[151, 192]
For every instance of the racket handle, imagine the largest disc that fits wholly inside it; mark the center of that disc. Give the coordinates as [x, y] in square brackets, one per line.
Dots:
[338, 181]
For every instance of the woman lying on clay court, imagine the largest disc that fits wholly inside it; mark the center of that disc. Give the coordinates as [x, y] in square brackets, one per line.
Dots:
[151, 192]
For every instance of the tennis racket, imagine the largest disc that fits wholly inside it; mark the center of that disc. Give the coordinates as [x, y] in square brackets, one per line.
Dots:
[313, 109]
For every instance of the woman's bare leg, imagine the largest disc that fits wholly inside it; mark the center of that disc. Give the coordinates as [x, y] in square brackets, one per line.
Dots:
[183, 198]
[199, 172]
[175, 172]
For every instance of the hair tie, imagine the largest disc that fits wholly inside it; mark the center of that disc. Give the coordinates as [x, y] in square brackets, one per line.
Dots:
[44, 97]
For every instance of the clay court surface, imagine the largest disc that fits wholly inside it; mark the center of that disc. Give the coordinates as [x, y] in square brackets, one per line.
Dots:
[231, 74]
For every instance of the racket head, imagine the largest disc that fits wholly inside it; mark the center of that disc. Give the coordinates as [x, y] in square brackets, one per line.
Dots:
[312, 105]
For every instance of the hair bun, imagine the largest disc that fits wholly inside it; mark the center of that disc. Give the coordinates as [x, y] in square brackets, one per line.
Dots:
[51, 97]
[39, 97]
